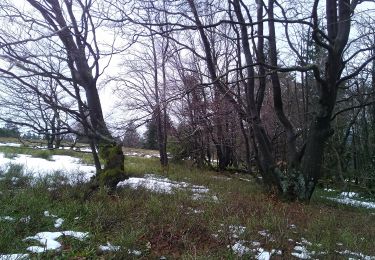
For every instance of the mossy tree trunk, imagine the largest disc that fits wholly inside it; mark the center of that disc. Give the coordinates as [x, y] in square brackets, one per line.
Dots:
[78, 37]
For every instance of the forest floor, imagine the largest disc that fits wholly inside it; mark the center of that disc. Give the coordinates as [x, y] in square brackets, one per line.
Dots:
[188, 213]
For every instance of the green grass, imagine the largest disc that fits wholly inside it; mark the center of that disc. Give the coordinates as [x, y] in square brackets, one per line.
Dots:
[166, 225]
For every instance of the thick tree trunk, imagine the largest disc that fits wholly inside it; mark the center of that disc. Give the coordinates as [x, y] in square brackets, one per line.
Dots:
[312, 160]
[49, 139]
[109, 150]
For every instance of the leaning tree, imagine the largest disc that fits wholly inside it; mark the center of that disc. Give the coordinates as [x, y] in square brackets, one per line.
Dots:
[71, 32]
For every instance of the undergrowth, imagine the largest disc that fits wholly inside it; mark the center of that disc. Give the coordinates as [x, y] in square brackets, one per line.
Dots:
[175, 225]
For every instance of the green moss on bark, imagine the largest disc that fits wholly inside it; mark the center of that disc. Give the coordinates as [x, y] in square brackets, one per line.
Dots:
[113, 158]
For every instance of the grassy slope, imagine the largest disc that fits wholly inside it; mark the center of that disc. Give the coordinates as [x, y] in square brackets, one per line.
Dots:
[161, 224]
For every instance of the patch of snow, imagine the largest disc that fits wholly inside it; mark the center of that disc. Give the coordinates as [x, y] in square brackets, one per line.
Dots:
[196, 211]
[235, 231]
[83, 149]
[197, 196]
[58, 222]
[264, 233]
[132, 154]
[38, 167]
[292, 226]
[329, 190]
[155, 185]
[163, 185]
[46, 213]
[356, 254]
[263, 254]
[14, 257]
[276, 252]
[109, 247]
[348, 194]
[255, 244]
[10, 144]
[76, 234]
[48, 240]
[6, 218]
[353, 202]
[301, 252]
[239, 248]
[199, 189]
[134, 252]
[304, 241]
[25, 219]
[244, 179]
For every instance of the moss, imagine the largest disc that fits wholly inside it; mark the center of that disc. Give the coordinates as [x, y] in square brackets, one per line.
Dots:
[113, 158]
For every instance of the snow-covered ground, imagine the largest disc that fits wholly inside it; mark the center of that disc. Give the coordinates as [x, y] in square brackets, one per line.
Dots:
[10, 144]
[164, 185]
[139, 154]
[48, 240]
[347, 198]
[242, 247]
[38, 167]
[14, 257]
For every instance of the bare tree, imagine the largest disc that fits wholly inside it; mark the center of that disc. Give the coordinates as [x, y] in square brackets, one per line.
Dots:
[71, 33]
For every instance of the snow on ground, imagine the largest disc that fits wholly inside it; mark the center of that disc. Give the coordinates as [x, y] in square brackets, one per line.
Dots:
[14, 257]
[301, 252]
[239, 248]
[85, 149]
[38, 167]
[109, 247]
[6, 218]
[134, 252]
[351, 254]
[146, 154]
[58, 222]
[48, 240]
[263, 255]
[46, 213]
[242, 247]
[10, 144]
[164, 185]
[353, 202]
[348, 194]
[235, 231]
[264, 233]
[9, 218]
[25, 219]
